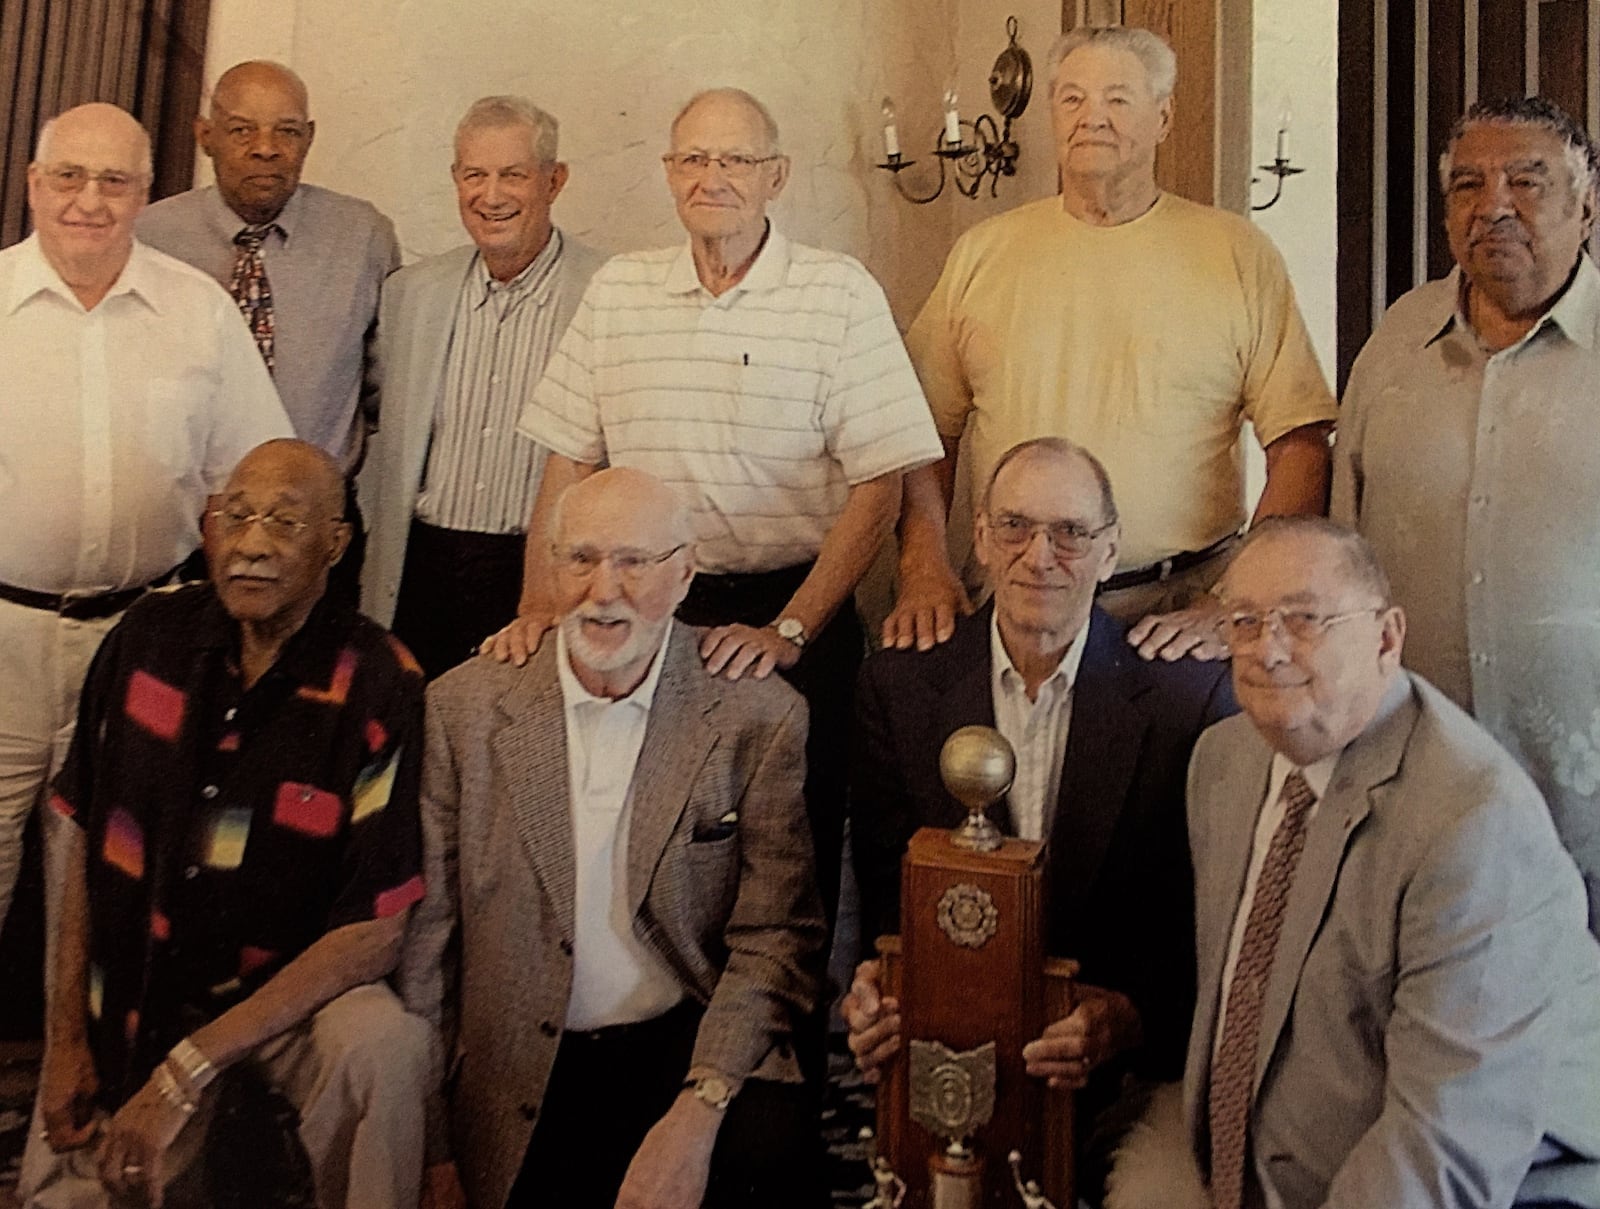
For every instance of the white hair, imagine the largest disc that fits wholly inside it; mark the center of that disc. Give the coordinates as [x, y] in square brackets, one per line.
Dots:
[489, 113]
[1150, 48]
[41, 150]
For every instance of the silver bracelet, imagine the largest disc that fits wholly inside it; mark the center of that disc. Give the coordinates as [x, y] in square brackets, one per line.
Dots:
[196, 1069]
[167, 1085]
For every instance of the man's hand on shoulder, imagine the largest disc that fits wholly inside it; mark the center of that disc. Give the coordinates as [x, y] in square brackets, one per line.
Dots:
[67, 1088]
[673, 1163]
[873, 1020]
[518, 641]
[1101, 1026]
[1191, 632]
[733, 650]
[929, 601]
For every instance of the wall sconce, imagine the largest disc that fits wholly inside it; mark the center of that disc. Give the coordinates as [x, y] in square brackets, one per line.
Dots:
[992, 153]
[1280, 166]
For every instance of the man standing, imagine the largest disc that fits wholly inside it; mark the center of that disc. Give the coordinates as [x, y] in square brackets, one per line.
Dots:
[243, 853]
[304, 264]
[621, 925]
[1467, 456]
[464, 337]
[130, 390]
[1399, 1003]
[766, 381]
[1140, 325]
[1102, 741]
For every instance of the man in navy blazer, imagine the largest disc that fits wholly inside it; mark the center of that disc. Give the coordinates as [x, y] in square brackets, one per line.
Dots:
[1103, 741]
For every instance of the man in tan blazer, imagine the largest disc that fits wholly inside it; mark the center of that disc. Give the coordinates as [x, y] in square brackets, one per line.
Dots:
[622, 921]
[1399, 1001]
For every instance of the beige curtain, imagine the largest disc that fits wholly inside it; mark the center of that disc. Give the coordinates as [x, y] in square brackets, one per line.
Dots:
[145, 55]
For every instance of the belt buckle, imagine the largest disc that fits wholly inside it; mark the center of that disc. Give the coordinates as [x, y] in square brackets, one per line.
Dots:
[68, 603]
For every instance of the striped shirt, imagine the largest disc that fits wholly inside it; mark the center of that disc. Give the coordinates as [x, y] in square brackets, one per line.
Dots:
[1036, 730]
[761, 407]
[481, 474]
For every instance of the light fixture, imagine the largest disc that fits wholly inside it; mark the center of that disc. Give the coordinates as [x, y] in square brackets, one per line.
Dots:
[992, 153]
[1280, 166]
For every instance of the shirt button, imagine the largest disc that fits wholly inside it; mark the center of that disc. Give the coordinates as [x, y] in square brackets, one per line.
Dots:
[1478, 501]
[230, 715]
[548, 1029]
[487, 431]
[1480, 658]
[1477, 577]
[494, 380]
[192, 872]
[528, 1111]
[566, 946]
[209, 792]
[481, 487]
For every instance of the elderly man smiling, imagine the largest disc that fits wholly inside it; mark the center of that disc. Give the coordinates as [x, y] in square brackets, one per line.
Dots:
[243, 852]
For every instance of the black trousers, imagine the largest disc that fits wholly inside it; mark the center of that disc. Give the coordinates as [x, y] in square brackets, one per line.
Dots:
[608, 1088]
[457, 588]
[825, 676]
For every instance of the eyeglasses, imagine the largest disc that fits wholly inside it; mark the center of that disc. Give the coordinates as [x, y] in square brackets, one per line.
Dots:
[734, 167]
[1245, 629]
[235, 519]
[72, 178]
[1068, 539]
[583, 562]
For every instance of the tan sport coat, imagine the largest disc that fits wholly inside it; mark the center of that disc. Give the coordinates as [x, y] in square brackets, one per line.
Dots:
[730, 904]
[1430, 1029]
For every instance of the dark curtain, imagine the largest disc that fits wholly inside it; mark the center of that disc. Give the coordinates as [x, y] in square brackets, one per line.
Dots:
[144, 55]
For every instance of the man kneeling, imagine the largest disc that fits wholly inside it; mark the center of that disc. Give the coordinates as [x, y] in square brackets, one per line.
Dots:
[244, 783]
[622, 922]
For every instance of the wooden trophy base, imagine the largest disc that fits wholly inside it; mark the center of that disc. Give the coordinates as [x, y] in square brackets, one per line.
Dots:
[968, 969]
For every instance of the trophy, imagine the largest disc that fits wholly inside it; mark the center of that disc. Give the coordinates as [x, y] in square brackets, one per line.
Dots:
[974, 986]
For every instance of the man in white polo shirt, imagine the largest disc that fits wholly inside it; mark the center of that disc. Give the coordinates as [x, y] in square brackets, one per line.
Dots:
[767, 383]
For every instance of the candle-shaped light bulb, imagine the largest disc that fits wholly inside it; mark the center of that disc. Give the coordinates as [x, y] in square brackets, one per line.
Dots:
[1285, 115]
[891, 133]
[952, 117]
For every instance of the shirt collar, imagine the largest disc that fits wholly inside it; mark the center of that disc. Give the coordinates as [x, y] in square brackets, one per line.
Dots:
[1317, 775]
[308, 657]
[1000, 659]
[769, 270]
[1575, 312]
[573, 694]
[228, 223]
[36, 275]
[536, 281]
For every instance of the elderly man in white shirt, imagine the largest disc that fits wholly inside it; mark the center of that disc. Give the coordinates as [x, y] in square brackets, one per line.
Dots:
[131, 389]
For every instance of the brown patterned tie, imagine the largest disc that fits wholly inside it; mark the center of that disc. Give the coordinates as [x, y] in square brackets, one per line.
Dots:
[250, 288]
[1234, 1067]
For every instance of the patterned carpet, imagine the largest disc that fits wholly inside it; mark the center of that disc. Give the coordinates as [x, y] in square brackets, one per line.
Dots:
[848, 1106]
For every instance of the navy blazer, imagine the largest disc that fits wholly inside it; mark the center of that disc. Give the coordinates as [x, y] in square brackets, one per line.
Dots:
[1120, 892]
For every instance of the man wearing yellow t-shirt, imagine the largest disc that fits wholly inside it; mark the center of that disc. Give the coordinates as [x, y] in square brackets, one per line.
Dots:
[1143, 326]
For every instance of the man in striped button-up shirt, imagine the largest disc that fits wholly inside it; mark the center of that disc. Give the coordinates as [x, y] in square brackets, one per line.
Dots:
[463, 338]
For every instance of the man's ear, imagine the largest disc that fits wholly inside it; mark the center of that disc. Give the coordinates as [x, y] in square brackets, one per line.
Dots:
[342, 532]
[202, 135]
[1392, 638]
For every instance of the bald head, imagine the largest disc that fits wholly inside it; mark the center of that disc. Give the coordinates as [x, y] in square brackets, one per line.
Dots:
[300, 466]
[104, 126]
[640, 501]
[736, 98]
[257, 134]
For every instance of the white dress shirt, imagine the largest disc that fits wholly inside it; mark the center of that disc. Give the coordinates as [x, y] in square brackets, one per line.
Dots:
[616, 979]
[117, 422]
[1273, 809]
[1036, 730]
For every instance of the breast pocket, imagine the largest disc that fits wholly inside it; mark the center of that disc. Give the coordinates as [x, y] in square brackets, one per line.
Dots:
[778, 407]
[713, 856]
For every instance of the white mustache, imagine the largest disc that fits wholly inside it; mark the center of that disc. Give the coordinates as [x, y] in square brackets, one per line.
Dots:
[614, 613]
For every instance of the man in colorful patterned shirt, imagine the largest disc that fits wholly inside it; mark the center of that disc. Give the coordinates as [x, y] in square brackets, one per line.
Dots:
[247, 849]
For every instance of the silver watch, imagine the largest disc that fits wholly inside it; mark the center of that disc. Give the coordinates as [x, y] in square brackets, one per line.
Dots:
[790, 629]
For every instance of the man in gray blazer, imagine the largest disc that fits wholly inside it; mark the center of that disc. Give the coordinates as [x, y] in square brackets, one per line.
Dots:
[462, 340]
[622, 922]
[1399, 1002]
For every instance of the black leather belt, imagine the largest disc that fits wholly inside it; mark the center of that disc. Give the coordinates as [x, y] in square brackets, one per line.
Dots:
[1166, 568]
[74, 605]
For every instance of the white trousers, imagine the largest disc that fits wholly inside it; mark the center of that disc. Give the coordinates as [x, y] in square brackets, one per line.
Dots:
[356, 1073]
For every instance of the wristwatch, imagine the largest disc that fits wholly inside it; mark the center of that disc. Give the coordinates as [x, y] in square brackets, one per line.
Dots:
[713, 1091]
[790, 629]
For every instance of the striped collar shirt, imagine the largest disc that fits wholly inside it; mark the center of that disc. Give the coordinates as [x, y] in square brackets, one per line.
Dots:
[1036, 730]
[481, 474]
[761, 406]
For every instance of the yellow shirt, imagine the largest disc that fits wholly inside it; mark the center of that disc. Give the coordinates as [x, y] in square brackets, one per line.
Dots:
[1150, 343]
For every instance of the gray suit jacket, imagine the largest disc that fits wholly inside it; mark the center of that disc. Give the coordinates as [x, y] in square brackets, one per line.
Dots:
[1431, 1025]
[415, 321]
[731, 907]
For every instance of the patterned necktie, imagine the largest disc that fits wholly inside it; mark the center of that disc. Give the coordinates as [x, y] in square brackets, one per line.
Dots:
[250, 288]
[1234, 1067]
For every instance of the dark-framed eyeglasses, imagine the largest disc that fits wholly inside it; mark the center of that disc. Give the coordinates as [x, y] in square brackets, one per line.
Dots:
[1243, 629]
[74, 178]
[1068, 539]
[582, 563]
[696, 163]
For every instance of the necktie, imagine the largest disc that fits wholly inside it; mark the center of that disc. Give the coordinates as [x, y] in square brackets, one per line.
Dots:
[1233, 1070]
[250, 288]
